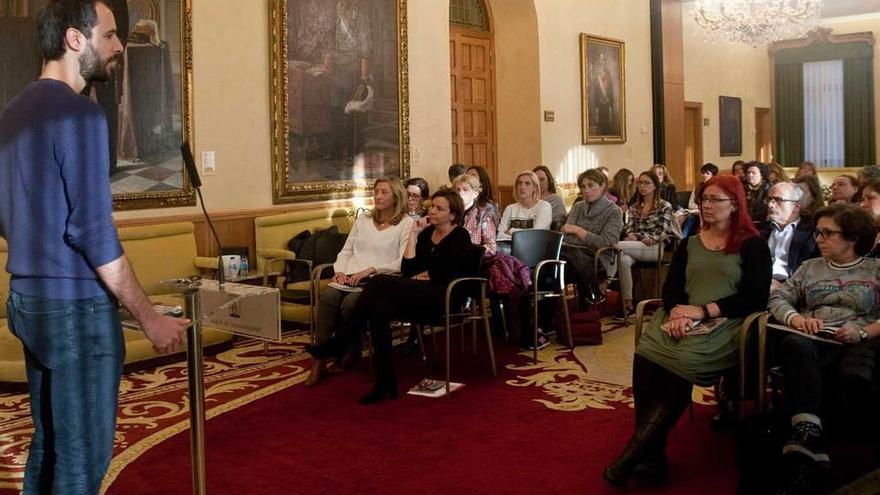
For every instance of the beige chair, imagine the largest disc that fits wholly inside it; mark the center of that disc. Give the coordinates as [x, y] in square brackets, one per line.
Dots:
[272, 234]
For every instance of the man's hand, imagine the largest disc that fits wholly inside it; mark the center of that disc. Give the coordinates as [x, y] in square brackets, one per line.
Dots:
[165, 332]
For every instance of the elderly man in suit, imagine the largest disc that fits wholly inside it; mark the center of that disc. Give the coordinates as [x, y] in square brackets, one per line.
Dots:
[789, 235]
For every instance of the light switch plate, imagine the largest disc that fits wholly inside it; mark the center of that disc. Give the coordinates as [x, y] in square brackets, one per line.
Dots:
[208, 164]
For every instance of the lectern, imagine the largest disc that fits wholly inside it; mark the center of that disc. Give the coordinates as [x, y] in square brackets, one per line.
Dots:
[235, 308]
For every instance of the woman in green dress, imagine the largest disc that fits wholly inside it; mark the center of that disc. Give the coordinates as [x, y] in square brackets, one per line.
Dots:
[724, 272]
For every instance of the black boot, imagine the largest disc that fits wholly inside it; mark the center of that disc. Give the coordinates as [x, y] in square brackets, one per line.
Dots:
[385, 388]
[332, 348]
[651, 429]
[655, 468]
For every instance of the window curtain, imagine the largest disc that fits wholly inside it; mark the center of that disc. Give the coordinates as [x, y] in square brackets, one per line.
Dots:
[823, 113]
[858, 113]
[789, 114]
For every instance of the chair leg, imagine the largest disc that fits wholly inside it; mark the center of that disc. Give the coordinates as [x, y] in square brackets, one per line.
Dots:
[474, 334]
[434, 342]
[448, 357]
[421, 340]
[489, 343]
[503, 316]
[564, 301]
[535, 324]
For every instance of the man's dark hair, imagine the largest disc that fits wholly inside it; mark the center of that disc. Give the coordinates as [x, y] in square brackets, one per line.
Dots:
[60, 15]
[455, 170]
[456, 205]
[709, 167]
[856, 225]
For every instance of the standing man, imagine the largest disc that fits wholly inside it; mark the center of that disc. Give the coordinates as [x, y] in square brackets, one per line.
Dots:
[790, 236]
[67, 265]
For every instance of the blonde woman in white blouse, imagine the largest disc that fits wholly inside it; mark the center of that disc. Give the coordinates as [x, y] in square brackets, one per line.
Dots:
[529, 211]
[375, 245]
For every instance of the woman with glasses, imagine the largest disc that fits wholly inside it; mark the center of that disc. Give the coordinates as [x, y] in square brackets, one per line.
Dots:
[651, 221]
[839, 292]
[417, 197]
[723, 272]
[477, 219]
[592, 223]
[375, 245]
[871, 203]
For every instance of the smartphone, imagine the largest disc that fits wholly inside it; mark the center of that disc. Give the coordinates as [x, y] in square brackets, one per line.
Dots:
[827, 333]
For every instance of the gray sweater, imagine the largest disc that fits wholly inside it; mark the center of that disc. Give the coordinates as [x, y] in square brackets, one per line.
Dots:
[602, 219]
[837, 295]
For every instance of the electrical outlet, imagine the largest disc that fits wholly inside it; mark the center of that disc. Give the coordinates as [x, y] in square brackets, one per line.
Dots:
[208, 166]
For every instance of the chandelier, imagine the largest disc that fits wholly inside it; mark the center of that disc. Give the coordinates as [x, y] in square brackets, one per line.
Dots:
[756, 22]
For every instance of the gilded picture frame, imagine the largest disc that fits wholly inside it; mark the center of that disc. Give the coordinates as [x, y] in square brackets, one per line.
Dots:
[340, 107]
[147, 101]
[603, 90]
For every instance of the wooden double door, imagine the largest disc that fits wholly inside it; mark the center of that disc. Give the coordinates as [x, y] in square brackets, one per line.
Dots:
[473, 98]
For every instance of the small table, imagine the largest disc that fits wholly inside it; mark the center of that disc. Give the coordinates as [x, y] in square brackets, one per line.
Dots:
[254, 278]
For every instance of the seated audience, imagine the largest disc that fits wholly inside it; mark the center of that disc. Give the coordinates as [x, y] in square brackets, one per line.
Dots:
[605, 171]
[812, 188]
[486, 199]
[455, 170]
[651, 221]
[592, 223]
[845, 189]
[722, 272]
[667, 186]
[689, 219]
[477, 220]
[738, 169]
[871, 172]
[789, 235]
[756, 190]
[375, 245]
[417, 198]
[839, 290]
[871, 203]
[775, 173]
[529, 211]
[548, 194]
[623, 187]
[805, 169]
[436, 253]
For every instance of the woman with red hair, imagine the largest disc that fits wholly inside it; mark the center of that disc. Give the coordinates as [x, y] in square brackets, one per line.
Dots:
[717, 278]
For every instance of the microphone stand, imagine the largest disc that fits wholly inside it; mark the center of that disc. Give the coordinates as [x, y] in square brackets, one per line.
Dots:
[221, 272]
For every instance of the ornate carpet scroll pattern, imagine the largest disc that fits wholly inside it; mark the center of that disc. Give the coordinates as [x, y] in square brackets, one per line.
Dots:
[154, 404]
[568, 386]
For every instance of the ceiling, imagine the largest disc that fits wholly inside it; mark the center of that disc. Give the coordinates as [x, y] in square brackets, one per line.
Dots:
[841, 8]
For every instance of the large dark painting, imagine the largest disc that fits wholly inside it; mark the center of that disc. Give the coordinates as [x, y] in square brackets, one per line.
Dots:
[339, 107]
[147, 103]
[730, 125]
[603, 90]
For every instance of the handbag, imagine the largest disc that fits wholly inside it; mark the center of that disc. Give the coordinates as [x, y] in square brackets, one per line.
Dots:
[586, 328]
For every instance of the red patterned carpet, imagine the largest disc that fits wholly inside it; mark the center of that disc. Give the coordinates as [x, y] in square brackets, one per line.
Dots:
[535, 429]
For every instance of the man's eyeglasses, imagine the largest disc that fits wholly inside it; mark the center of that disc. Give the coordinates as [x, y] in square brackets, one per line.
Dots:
[778, 200]
[825, 233]
[714, 200]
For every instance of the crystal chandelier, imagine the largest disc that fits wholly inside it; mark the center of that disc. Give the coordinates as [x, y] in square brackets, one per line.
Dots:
[756, 22]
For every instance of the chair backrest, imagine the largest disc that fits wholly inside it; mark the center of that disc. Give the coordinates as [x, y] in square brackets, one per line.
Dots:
[274, 231]
[531, 246]
[160, 252]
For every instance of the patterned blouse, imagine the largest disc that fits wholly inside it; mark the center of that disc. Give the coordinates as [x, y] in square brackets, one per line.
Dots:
[654, 225]
[481, 226]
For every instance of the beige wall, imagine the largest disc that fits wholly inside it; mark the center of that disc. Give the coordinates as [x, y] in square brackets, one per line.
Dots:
[722, 69]
[560, 23]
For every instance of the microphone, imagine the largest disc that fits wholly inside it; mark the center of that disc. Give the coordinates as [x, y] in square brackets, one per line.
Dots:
[190, 164]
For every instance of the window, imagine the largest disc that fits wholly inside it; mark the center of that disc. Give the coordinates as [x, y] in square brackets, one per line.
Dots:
[823, 113]
[469, 14]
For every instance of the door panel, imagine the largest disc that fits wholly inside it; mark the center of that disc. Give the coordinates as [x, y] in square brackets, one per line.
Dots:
[473, 127]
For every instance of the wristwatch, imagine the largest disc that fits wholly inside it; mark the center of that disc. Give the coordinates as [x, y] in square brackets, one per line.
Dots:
[863, 335]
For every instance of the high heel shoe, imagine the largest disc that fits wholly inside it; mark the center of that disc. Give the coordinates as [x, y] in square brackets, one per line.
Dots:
[380, 392]
[326, 350]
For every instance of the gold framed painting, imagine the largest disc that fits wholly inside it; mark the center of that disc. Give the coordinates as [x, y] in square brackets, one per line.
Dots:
[147, 101]
[340, 108]
[603, 90]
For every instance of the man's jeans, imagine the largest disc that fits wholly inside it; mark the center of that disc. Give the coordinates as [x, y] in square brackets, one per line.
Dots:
[74, 351]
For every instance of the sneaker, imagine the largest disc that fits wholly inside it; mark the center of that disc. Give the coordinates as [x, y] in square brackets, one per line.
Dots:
[543, 341]
[806, 439]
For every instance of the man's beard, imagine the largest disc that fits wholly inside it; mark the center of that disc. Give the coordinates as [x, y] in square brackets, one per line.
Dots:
[92, 68]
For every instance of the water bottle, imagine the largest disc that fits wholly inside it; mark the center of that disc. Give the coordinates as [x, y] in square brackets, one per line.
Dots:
[245, 268]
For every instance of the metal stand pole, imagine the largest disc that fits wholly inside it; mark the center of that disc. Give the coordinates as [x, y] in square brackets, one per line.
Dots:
[195, 368]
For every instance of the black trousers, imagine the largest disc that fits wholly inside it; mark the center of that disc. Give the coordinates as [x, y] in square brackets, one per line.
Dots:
[390, 298]
[579, 268]
[816, 372]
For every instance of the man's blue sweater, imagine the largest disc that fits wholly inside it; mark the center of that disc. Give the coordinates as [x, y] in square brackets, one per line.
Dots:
[55, 201]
